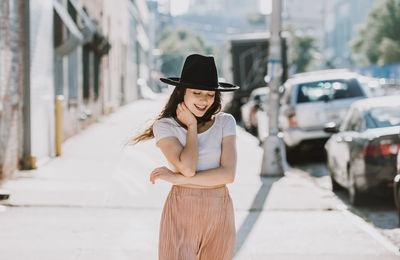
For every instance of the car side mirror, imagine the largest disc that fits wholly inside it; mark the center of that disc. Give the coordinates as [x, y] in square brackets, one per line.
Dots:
[331, 128]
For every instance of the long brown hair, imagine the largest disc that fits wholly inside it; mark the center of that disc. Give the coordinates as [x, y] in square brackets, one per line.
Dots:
[170, 111]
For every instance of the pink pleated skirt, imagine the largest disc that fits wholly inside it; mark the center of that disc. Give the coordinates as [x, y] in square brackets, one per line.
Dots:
[197, 224]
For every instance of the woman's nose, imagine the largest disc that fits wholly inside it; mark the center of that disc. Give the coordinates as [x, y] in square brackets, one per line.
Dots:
[203, 99]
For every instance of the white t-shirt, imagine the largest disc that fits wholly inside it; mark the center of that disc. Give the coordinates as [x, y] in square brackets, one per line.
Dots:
[209, 141]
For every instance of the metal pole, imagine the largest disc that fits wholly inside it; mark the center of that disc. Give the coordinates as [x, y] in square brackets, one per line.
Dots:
[272, 158]
[28, 161]
[59, 123]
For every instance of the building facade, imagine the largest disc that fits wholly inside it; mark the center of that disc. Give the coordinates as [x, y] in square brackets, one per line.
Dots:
[68, 61]
[12, 81]
[340, 27]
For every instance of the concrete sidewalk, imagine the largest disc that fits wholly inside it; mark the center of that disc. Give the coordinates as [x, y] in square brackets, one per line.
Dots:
[96, 202]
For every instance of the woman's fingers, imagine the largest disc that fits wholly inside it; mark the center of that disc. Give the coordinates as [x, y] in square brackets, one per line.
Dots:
[159, 173]
[153, 179]
[153, 176]
[184, 107]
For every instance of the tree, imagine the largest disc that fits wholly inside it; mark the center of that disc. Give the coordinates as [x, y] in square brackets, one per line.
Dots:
[302, 52]
[302, 49]
[176, 45]
[378, 41]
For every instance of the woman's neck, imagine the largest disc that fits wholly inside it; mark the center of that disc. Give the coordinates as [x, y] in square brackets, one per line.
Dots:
[201, 127]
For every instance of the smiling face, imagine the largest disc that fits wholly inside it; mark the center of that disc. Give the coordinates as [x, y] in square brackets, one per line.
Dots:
[198, 101]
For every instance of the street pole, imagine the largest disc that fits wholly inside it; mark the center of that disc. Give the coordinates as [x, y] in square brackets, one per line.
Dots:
[272, 164]
[28, 161]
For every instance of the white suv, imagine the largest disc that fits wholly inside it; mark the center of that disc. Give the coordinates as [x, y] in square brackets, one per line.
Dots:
[311, 100]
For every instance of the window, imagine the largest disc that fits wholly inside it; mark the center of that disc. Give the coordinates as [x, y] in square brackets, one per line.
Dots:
[383, 117]
[328, 90]
[86, 72]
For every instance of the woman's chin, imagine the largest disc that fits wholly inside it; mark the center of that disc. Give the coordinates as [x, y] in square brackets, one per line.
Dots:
[199, 115]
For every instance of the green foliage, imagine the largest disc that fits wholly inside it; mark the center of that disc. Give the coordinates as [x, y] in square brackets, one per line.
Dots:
[378, 41]
[302, 49]
[302, 52]
[176, 45]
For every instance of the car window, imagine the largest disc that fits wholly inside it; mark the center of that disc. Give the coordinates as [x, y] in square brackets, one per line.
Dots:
[383, 117]
[328, 90]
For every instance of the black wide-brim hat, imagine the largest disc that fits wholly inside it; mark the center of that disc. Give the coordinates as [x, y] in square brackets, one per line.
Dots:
[199, 72]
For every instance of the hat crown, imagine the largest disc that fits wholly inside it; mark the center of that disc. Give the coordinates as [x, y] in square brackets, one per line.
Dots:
[200, 70]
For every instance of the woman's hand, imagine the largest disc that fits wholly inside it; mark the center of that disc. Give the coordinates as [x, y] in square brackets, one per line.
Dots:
[165, 174]
[185, 116]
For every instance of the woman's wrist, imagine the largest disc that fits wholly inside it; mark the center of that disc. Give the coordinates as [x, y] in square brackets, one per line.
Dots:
[192, 126]
[178, 178]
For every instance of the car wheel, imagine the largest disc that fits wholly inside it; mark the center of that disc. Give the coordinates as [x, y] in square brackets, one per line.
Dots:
[292, 154]
[253, 130]
[355, 196]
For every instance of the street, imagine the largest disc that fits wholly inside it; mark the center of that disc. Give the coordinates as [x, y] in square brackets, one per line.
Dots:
[96, 202]
[381, 213]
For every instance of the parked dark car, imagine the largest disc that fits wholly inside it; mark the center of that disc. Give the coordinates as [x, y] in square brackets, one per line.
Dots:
[397, 187]
[361, 154]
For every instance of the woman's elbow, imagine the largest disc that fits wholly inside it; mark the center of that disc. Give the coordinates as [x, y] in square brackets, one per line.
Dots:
[231, 177]
[188, 172]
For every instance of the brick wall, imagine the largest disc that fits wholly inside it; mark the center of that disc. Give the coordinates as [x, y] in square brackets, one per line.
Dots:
[11, 85]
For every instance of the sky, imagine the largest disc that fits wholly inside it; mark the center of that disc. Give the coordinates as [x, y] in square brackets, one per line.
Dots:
[179, 7]
[266, 6]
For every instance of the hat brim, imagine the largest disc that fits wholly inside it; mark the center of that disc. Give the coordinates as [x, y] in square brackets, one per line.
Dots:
[222, 86]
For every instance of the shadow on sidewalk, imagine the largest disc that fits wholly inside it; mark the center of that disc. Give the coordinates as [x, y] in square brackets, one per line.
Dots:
[254, 211]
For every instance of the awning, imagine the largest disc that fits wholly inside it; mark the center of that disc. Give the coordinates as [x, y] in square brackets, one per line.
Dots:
[91, 32]
[75, 37]
[89, 27]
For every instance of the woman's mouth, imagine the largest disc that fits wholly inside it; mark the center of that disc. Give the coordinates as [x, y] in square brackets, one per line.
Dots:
[201, 108]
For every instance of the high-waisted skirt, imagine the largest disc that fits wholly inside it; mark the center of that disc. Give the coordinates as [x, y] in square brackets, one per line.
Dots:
[197, 224]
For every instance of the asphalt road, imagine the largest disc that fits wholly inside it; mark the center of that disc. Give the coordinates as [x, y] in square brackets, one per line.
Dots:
[379, 212]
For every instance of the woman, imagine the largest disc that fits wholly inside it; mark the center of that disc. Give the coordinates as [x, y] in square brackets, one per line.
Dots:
[199, 143]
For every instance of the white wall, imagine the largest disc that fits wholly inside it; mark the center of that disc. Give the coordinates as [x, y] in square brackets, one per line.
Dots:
[42, 89]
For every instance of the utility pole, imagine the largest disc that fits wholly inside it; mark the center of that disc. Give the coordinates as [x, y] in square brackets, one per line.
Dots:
[272, 164]
[27, 159]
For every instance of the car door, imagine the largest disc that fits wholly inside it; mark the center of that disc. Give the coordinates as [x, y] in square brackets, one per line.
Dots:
[343, 143]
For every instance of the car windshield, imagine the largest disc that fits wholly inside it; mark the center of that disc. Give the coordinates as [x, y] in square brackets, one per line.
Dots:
[383, 117]
[328, 90]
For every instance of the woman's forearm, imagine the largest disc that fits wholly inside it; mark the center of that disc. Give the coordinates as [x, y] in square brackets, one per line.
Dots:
[211, 177]
[190, 154]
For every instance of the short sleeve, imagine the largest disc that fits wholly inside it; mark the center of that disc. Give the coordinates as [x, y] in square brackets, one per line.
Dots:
[162, 128]
[228, 125]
